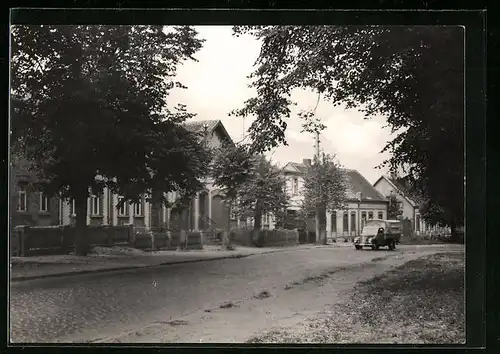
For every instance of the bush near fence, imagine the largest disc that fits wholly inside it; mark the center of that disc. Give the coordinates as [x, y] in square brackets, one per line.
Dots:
[153, 241]
[265, 238]
[59, 240]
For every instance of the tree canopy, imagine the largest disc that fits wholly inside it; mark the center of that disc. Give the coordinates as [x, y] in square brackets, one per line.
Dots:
[252, 184]
[414, 76]
[90, 109]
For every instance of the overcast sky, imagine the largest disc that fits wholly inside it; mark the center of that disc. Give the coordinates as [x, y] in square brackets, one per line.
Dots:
[217, 84]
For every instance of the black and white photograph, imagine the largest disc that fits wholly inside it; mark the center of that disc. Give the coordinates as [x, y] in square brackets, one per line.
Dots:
[255, 184]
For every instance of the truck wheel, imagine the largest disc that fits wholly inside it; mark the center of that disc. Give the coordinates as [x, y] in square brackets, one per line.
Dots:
[392, 246]
[357, 247]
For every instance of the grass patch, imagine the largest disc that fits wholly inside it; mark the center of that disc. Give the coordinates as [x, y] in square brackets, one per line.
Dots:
[421, 302]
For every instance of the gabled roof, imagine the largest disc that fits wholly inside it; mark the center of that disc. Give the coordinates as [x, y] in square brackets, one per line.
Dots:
[212, 125]
[402, 189]
[359, 184]
[356, 183]
[296, 167]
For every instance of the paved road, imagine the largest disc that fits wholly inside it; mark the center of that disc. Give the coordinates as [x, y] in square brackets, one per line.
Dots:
[88, 307]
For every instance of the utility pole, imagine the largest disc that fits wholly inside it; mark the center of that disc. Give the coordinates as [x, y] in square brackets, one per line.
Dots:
[319, 231]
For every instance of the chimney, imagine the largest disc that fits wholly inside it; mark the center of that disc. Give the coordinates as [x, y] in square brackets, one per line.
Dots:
[393, 175]
[306, 162]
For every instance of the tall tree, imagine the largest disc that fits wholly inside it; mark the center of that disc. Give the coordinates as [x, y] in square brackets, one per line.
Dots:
[252, 184]
[325, 189]
[262, 193]
[414, 76]
[90, 111]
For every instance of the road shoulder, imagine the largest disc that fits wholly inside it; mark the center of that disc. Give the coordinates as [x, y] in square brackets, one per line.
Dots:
[290, 307]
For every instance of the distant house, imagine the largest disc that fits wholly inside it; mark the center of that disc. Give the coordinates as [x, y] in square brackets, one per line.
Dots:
[28, 204]
[340, 223]
[205, 210]
[409, 203]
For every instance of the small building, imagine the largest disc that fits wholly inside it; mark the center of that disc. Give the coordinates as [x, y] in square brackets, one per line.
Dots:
[409, 203]
[364, 202]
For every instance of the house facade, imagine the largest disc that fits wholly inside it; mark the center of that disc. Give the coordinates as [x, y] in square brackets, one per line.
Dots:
[28, 205]
[389, 185]
[364, 202]
[205, 210]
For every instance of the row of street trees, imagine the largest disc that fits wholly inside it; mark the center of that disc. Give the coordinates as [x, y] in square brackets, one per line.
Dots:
[414, 76]
[90, 110]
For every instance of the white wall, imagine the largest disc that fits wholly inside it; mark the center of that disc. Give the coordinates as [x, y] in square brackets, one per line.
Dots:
[385, 188]
[295, 200]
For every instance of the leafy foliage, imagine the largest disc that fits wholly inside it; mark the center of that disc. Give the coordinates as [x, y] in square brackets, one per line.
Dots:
[253, 186]
[394, 208]
[90, 100]
[411, 75]
[325, 186]
[89, 109]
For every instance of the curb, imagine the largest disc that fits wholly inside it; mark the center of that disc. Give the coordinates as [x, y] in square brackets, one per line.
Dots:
[105, 270]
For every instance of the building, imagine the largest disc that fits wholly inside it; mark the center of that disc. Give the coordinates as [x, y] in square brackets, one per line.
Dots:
[206, 208]
[340, 223]
[28, 205]
[409, 204]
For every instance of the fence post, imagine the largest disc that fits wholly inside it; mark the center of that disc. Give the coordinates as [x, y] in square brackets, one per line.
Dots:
[201, 238]
[24, 230]
[182, 237]
[131, 235]
[169, 239]
[152, 240]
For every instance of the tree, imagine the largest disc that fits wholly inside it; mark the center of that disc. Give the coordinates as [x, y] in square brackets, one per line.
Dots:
[252, 184]
[414, 76]
[324, 190]
[89, 111]
[262, 193]
[394, 208]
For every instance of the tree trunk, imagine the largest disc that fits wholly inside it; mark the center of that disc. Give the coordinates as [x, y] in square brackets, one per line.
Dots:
[455, 236]
[320, 226]
[257, 216]
[226, 234]
[81, 242]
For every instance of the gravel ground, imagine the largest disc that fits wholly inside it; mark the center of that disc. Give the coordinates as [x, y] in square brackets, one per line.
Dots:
[86, 307]
[420, 302]
[287, 312]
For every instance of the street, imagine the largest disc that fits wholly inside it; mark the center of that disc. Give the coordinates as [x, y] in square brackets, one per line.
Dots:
[90, 307]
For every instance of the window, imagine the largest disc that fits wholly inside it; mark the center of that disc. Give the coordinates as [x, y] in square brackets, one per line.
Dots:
[44, 202]
[363, 219]
[354, 227]
[417, 223]
[333, 219]
[345, 222]
[95, 205]
[295, 186]
[22, 202]
[370, 215]
[138, 208]
[380, 215]
[73, 207]
[123, 210]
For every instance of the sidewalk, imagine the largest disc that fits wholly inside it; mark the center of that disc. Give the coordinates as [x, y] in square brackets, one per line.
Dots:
[104, 259]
